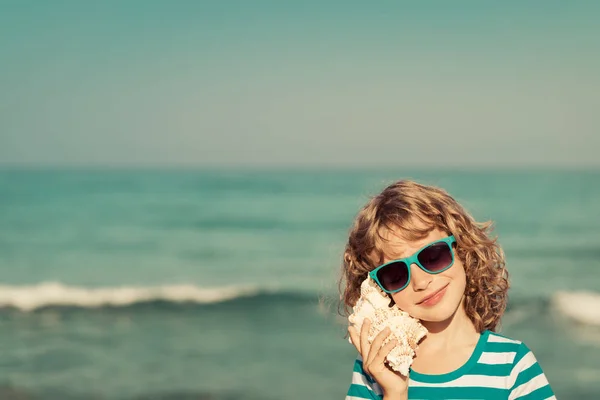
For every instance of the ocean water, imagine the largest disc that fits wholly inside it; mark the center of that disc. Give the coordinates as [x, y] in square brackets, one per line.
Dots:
[209, 284]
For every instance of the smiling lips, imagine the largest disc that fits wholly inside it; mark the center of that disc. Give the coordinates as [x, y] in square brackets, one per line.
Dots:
[433, 298]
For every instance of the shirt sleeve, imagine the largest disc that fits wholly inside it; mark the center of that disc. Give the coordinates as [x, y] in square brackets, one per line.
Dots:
[527, 378]
[363, 386]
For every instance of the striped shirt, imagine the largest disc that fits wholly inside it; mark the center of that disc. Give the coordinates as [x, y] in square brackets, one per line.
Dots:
[499, 368]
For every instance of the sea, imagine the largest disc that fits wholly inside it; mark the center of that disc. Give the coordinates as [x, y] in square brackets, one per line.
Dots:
[131, 284]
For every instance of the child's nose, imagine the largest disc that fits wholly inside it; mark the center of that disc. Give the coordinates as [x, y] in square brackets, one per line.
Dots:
[420, 279]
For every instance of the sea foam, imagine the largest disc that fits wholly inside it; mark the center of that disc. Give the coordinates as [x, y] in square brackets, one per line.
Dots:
[47, 294]
[580, 306]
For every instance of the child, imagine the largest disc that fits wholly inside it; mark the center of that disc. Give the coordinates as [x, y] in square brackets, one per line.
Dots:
[458, 292]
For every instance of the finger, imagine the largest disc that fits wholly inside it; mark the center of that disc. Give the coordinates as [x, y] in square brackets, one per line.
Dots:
[379, 358]
[364, 339]
[376, 345]
[354, 338]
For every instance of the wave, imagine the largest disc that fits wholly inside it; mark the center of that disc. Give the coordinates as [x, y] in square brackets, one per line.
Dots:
[56, 294]
[580, 306]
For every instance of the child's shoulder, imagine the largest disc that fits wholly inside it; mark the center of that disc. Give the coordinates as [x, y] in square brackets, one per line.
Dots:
[509, 350]
[511, 358]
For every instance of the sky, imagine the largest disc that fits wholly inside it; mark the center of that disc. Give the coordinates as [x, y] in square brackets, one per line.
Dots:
[300, 83]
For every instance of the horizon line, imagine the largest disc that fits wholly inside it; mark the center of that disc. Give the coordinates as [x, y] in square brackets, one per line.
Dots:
[4, 166]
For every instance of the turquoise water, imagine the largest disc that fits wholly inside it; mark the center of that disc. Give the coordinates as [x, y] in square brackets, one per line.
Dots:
[206, 284]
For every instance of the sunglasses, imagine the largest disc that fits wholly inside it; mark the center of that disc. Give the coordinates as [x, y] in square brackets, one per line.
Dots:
[434, 258]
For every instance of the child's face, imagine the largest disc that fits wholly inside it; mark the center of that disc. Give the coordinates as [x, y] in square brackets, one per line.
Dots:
[450, 284]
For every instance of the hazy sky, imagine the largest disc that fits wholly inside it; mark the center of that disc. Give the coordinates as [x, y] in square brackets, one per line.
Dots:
[430, 83]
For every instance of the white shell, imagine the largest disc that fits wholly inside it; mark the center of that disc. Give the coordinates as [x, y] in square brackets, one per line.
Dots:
[374, 304]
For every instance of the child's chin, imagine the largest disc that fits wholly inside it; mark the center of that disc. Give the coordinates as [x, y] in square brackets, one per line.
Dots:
[441, 312]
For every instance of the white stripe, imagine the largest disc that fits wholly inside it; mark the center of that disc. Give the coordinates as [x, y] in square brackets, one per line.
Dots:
[496, 382]
[360, 379]
[499, 339]
[354, 398]
[497, 358]
[522, 365]
[528, 387]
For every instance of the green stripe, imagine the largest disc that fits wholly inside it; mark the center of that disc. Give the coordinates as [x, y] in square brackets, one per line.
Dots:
[528, 374]
[522, 352]
[457, 393]
[539, 394]
[492, 369]
[363, 392]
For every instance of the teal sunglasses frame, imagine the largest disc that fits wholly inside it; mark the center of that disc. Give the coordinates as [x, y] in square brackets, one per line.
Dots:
[414, 259]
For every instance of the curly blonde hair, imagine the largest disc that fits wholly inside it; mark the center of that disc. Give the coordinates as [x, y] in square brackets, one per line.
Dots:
[406, 205]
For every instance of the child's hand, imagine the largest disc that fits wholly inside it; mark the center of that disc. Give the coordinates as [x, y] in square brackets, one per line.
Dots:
[392, 383]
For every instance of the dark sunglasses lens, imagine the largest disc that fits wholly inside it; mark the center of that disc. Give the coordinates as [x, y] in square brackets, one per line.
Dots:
[393, 276]
[435, 257]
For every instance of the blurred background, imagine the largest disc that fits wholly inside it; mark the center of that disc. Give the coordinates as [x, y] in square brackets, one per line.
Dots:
[178, 179]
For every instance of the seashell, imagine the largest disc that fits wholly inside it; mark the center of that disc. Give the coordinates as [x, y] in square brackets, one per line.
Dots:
[374, 304]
